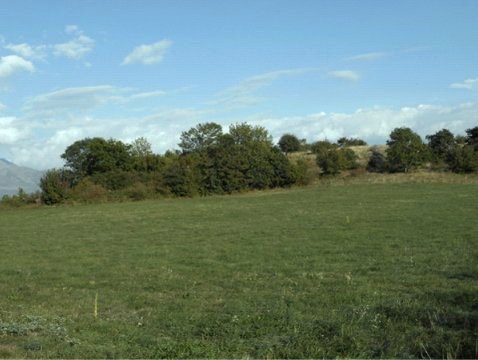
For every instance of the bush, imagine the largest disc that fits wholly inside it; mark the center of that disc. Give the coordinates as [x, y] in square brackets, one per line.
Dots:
[55, 185]
[377, 162]
[88, 191]
[334, 160]
[464, 159]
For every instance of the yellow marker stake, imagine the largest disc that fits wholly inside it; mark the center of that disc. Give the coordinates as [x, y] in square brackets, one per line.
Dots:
[96, 305]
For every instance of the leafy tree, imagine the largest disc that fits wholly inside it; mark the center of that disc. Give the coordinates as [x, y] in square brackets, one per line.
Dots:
[200, 137]
[141, 147]
[441, 144]
[243, 134]
[289, 143]
[405, 151]
[93, 155]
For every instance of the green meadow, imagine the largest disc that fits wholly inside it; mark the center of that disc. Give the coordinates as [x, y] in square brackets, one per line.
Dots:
[362, 270]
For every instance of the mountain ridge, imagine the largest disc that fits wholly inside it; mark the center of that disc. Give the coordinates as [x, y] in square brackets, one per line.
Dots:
[13, 177]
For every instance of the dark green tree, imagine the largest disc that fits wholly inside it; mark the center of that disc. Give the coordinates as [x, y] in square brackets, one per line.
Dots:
[405, 151]
[95, 155]
[472, 137]
[464, 159]
[289, 143]
[344, 141]
[441, 144]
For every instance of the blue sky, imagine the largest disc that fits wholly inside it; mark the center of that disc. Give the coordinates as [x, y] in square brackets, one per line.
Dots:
[318, 69]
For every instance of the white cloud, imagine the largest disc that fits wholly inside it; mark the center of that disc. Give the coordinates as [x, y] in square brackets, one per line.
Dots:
[148, 94]
[244, 93]
[11, 131]
[73, 30]
[28, 51]
[345, 75]
[368, 56]
[2, 107]
[76, 48]
[80, 100]
[375, 124]
[148, 54]
[466, 84]
[12, 63]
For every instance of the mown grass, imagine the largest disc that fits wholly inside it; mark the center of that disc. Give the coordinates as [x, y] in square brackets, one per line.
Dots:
[363, 270]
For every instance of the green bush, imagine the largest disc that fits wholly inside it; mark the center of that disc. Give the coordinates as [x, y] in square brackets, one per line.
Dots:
[55, 185]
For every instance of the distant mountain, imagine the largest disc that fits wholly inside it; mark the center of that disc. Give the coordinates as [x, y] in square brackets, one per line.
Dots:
[13, 177]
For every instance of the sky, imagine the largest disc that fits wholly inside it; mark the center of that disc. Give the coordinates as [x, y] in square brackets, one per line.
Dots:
[318, 69]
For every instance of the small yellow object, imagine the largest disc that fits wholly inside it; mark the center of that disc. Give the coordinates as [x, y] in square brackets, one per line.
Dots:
[96, 305]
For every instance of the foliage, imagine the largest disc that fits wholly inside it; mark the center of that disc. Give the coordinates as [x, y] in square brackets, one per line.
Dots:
[472, 137]
[344, 141]
[289, 143]
[92, 155]
[377, 162]
[245, 134]
[405, 151]
[21, 198]
[334, 160]
[200, 137]
[55, 185]
[463, 159]
[441, 145]
[322, 146]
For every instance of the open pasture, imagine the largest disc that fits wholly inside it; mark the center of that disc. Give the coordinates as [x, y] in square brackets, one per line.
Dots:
[363, 270]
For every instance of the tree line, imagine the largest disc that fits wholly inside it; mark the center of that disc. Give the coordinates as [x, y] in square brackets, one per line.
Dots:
[211, 161]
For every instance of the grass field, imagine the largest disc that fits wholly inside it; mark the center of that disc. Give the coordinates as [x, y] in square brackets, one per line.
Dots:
[363, 270]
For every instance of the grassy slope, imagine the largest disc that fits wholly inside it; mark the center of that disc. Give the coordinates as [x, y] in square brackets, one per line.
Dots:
[355, 271]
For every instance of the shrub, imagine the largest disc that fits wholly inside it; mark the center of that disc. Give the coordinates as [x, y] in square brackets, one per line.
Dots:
[377, 162]
[88, 191]
[464, 159]
[55, 185]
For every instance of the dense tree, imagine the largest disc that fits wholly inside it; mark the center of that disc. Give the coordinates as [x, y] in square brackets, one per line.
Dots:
[93, 155]
[200, 137]
[405, 151]
[289, 143]
[441, 145]
[472, 137]
[464, 159]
